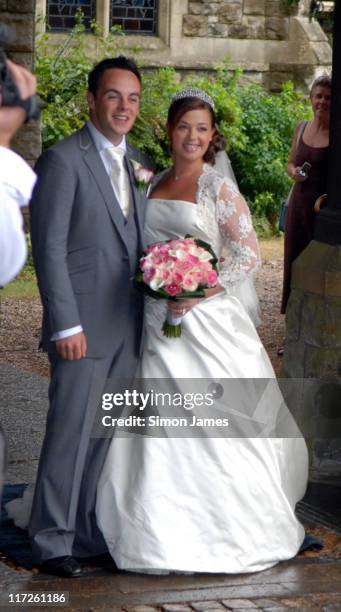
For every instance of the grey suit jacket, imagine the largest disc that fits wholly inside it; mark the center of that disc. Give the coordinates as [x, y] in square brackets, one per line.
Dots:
[83, 264]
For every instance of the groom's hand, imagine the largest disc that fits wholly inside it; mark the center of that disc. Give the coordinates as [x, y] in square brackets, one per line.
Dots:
[72, 347]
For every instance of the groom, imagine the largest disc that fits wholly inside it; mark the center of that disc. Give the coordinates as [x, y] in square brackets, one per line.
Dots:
[86, 225]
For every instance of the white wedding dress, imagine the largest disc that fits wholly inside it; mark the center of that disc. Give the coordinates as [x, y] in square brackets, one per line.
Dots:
[206, 504]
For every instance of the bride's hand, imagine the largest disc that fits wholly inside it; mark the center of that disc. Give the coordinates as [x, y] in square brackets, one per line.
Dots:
[181, 307]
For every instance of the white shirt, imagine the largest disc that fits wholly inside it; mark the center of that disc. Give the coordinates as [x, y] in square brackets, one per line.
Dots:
[17, 180]
[101, 143]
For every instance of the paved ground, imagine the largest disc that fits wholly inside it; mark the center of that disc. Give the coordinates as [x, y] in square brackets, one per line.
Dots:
[23, 402]
[309, 582]
[300, 585]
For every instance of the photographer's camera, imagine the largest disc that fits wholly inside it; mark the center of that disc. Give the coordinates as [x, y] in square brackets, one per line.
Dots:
[9, 92]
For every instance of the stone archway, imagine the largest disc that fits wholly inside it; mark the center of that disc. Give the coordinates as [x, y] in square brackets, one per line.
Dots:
[21, 17]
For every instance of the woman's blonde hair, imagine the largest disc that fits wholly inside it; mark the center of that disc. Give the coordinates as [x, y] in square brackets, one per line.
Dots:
[322, 81]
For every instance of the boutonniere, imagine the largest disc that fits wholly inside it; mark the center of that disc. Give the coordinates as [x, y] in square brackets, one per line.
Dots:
[142, 175]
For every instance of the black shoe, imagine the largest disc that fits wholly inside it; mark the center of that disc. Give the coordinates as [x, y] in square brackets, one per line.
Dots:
[280, 351]
[105, 560]
[67, 567]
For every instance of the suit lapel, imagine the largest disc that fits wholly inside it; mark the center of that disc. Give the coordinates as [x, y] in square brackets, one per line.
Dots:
[138, 199]
[95, 165]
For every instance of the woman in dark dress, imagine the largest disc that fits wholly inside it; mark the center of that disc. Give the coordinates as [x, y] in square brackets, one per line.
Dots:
[310, 144]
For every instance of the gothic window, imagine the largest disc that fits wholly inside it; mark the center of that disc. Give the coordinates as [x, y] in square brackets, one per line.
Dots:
[135, 16]
[61, 13]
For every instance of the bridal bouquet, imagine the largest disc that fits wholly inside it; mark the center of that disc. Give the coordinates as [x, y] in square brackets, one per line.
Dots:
[177, 269]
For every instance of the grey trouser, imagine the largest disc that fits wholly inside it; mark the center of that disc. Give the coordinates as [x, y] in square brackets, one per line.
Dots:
[63, 514]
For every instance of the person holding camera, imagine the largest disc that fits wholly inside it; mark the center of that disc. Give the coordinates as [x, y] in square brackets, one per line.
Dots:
[16, 184]
[307, 166]
[16, 177]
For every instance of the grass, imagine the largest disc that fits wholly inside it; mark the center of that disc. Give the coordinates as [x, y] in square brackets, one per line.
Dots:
[272, 249]
[21, 289]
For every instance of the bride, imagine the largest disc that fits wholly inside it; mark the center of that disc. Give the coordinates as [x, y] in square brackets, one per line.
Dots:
[204, 503]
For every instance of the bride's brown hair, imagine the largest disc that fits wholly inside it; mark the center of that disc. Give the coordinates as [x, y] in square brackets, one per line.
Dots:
[179, 107]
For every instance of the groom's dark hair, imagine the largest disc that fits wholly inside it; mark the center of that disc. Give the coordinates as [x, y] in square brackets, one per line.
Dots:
[120, 62]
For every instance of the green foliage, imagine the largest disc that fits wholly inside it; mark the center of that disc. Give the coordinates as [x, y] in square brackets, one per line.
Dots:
[149, 133]
[62, 76]
[268, 124]
[28, 272]
[257, 126]
[263, 228]
[224, 91]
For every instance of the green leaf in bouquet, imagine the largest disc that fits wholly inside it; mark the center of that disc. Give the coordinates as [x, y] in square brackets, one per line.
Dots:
[185, 295]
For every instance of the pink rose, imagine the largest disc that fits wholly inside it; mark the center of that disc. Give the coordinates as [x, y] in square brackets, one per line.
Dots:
[144, 175]
[187, 266]
[190, 283]
[148, 275]
[198, 277]
[191, 259]
[206, 266]
[212, 278]
[165, 258]
[166, 275]
[173, 289]
[153, 249]
[177, 277]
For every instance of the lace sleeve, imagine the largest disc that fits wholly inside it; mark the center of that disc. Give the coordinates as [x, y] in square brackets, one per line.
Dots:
[241, 251]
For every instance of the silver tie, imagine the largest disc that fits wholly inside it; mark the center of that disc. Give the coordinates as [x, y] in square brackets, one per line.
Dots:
[119, 178]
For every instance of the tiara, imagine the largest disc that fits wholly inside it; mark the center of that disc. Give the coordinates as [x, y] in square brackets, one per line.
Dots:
[192, 92]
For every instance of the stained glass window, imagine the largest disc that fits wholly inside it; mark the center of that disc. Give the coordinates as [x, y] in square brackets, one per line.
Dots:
[61, 13]
[135, 16]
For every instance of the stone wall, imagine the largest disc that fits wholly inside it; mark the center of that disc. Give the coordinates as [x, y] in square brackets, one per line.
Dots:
[20, 16]
[267, 40]
[252, 19]
[282, 41]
